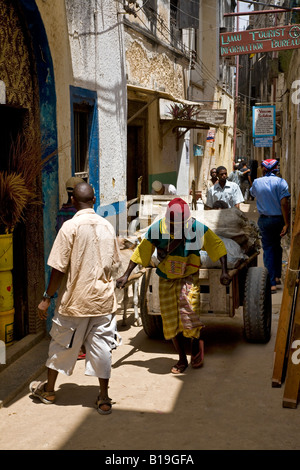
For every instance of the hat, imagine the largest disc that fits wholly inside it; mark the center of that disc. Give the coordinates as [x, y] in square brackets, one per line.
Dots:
[270, 164]
[156, 186]
[178, 211]
[72, 182]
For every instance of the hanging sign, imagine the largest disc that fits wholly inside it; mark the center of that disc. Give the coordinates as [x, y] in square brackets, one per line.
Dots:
[264, 121]
[212, 116]
[252, 41]
[211, 135]
[263, 142]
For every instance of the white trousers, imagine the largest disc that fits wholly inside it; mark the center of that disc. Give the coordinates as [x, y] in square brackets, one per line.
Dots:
[97, 334]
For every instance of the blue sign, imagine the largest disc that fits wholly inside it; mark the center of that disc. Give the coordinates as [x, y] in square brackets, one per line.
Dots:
[198, 150]
[263, 142]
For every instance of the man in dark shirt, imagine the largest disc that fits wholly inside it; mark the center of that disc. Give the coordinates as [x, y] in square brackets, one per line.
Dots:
[245, 181]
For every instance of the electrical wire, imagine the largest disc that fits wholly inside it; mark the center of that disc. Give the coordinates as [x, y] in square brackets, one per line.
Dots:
[211, 80]
[190, 51]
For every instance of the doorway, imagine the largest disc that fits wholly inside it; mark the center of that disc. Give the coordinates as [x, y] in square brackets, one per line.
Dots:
[12, 122]
[137, 155]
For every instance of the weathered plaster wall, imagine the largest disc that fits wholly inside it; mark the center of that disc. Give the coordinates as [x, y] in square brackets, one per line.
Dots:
[208, 37]
[87, 50]
[153, 68]
[290, 132]
[54, 18]
[206, 87]
[97, 52]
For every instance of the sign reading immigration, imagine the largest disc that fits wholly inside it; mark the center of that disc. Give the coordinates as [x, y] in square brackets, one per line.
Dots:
[260, 40]
[264, 121]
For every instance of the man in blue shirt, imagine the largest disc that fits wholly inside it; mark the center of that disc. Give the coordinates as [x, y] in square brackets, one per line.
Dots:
[272, 200]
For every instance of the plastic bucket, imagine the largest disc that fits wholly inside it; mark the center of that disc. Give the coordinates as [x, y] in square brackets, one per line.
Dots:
[7, 326]
[6, 252]
[6, 291]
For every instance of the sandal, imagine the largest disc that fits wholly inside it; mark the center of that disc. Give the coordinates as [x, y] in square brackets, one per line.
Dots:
[81, 356]
[106, 401]
[179, 368]
[38, 390]
[197, 361]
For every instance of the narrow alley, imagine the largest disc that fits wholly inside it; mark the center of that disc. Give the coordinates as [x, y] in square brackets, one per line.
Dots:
[130, 105]
[229, 404]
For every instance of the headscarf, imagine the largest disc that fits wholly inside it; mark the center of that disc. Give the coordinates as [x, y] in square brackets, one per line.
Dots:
[271, 165]
[178, 211]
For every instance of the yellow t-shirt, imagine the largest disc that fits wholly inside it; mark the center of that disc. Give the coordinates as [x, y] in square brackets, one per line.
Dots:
[184, 260]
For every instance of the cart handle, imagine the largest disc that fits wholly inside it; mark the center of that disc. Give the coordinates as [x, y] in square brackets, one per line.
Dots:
[233, 272]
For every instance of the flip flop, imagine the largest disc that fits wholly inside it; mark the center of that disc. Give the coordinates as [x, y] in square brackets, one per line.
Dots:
[179, 368]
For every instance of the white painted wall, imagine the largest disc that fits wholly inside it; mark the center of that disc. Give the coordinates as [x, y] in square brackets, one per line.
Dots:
[91, 37]
[97, 49]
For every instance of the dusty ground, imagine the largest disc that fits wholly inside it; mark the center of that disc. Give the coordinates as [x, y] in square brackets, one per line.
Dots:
[228, 404]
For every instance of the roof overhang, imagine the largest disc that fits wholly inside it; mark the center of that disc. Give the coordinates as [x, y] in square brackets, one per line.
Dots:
[147, 92]
[202, 118]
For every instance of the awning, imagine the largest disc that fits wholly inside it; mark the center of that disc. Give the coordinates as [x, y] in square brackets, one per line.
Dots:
[202, 118]
[155, 95]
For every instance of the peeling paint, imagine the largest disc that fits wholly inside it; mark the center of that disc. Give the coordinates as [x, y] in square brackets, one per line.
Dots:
[154, 69]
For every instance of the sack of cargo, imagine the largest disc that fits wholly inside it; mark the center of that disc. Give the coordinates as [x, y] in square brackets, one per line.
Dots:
[235, 256]
[233, 224]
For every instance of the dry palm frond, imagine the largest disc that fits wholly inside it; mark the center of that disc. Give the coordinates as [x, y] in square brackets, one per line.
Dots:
[18, 185]
[14, 197]
[26, 158]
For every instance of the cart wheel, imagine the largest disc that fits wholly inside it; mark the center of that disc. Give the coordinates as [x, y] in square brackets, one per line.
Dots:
[257, 307]
[152, 324]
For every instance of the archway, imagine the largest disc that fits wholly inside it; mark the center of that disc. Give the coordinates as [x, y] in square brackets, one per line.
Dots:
[29, 106]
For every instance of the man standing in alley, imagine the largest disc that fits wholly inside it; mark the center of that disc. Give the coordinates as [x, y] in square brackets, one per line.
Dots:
[235, 174]
[272, 200]
[224, 190]
[66, 212]
[209, 183]
[245, 181]
[82, 258]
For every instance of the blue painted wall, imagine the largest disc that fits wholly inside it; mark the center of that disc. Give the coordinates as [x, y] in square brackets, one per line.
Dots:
[48, 126]
[83, 96]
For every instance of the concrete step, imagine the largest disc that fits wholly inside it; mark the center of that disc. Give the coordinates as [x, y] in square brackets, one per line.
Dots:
[22, 367]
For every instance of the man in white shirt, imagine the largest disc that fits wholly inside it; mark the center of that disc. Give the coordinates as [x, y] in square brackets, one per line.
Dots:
[159, 189]
[82, 258]
[224, 190]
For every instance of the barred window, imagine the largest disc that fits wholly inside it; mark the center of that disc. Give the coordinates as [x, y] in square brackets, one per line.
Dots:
[81, 139]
